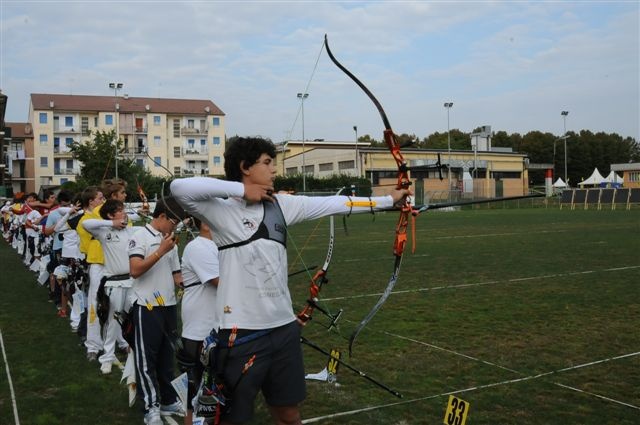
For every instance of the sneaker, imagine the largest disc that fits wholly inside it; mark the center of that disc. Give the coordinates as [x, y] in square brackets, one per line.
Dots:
[152, 417]
[106, 368]
[172, 409]
[91, 356]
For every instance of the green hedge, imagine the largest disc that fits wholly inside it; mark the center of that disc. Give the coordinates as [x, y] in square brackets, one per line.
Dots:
[329, 184]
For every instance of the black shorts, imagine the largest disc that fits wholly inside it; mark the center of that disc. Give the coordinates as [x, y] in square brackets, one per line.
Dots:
[277, 371]
[191, 351]
[55, 260]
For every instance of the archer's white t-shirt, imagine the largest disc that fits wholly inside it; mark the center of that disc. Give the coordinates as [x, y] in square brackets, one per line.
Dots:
[253, 291]
[199, 264]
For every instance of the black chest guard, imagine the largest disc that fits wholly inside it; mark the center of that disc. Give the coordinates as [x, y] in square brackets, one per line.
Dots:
[272, 227]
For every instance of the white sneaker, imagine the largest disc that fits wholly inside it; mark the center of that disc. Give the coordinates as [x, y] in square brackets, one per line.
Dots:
[106, 368]
[172, 409]
[152, 417]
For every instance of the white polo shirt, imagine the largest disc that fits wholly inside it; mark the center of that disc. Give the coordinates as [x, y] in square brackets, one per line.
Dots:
[155, 287]
[199, 264]
[114, 244]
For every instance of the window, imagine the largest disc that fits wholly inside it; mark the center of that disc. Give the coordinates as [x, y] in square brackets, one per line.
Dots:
[216, 122]
[68, 141]
[327, 166]
[308, 169]
[140, 162]
[95, 121]
[44, 161]
[176, 152]
[191, 143]
[203, 145]
[44, 139]
[156, 141]
[176, 128]
[346, 165]
[43, 117]
[216, 140]
[203, 125]
[292, 170]
[56, 144]
[156, 120]
[216, 161]
[63, 180]
[85, 126]
[157, 161]
[634, 176]
[176, 171]
[68, 121]
[499, 175]
[108, 119]
[190, 123]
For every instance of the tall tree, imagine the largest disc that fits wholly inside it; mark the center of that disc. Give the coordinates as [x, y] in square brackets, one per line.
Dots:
[97, 158]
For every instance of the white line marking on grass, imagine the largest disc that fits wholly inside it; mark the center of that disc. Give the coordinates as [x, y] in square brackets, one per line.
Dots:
[502, 367]
[598, 395]
[491, 282]
[13, 394]
[465, 390]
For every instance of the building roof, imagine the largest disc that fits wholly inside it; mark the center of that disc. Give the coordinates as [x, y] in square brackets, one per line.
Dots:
[631, 166]
[127, 104]
[20, 130]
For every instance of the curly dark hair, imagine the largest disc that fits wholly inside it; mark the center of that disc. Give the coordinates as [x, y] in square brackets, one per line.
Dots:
[110, 207]
[247, 149]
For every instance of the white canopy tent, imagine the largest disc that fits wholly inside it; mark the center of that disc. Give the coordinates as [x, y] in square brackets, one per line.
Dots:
[613, 178]
[559, 183]
[594, 179]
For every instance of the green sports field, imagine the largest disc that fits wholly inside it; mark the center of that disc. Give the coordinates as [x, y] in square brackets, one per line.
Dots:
[530, 316]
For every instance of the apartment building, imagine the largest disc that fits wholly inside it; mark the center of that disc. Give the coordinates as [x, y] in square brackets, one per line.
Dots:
[18, 140]
[180, 136]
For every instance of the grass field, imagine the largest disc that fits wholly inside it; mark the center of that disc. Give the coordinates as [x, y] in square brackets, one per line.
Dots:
[529, 315]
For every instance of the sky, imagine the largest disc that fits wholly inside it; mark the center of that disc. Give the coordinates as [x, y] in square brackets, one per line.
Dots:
[513, 65]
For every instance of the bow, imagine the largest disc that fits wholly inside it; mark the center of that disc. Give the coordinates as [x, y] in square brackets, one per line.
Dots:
[143, 196]
[403, 182]
[318, 280]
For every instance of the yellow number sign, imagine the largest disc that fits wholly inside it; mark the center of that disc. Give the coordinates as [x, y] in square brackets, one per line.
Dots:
[457, 410]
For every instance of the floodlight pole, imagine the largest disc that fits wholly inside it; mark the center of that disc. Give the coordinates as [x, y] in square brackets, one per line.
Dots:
[116, 87]
[302, 97]
[448, 105]
[355, 128]
[564, 118]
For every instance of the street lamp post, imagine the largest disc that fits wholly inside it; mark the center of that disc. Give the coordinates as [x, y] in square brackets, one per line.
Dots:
[116, 87]
[448, 105]
[355, 128]
[302, 97]
[564, 118]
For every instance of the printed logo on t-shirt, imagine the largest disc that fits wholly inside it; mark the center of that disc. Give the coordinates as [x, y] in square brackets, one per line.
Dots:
[250, 225]
[132, 244]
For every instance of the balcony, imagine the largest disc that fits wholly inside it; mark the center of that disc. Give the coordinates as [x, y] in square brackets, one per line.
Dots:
[195, 152]
[65, 130]
[59, 151]
[195, 171]
[191, 130]
[140, 130]
[140, 150]
[65, 171]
